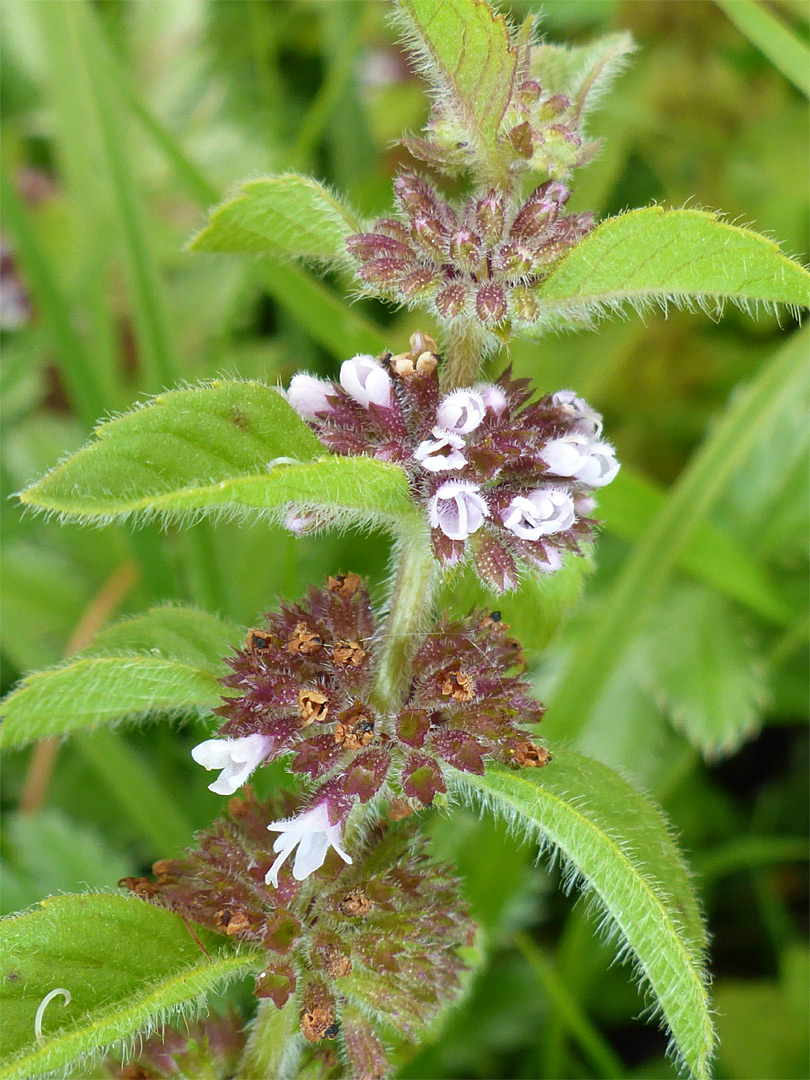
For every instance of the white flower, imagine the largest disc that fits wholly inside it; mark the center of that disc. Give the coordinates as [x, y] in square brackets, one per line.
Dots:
[461, 412]
[588, 420]
[540, 513]
[584, 505]
[493, 397]
[457, 509]
[237, 758]
[312, 834]
[601, 467]
[308, 395]
[441, 453]
[366, 381]
[575, 455]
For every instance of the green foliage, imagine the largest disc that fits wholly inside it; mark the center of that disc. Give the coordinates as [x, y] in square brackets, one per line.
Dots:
[584, 73]
[469, 60]
[657, 256]
[720, 703]
[615, 845]
[286, 215]
[783, 47]
[128, 967]
[167, 661]
[225, 448]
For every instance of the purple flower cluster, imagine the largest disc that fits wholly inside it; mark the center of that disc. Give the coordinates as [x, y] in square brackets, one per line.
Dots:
[496, 472]
[302, 688]
[478, 261]
[381, 939]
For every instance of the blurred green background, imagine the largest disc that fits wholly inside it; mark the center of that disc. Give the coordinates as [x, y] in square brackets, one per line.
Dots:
[122, 121]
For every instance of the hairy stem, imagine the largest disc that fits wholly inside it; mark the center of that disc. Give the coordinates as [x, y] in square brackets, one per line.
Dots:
[463, 357]
[410, 607]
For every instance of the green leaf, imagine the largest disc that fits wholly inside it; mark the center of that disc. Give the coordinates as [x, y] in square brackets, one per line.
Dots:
[224, 448]
[764, 29]
[656, 256]
[168, 660]
[615, 843]
[720, 701]
[286, 215]
[469, 60]
[127, 965]
[582, 72]
[601, 646]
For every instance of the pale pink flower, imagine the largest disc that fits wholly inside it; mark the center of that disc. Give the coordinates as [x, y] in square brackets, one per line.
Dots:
[588, 420]
[308, 395]
[540, 513]
[457, 509]
[366, 381]
[461, 412]
[575, 455]
[493, 397]
[442, 452]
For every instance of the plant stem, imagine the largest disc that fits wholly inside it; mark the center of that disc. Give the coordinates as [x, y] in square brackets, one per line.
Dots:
[409, 610]
[463, 357]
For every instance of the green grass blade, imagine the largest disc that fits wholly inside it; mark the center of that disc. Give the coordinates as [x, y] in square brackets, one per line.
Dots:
[615, 843]
[768, 33]
[78, 373]
[651, 564]
[128, 966]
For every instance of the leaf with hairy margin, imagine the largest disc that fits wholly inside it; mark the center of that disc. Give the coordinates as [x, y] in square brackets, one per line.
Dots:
[582, 72]
[168, 660]
[290, 215]
[225, 448]
[128, 966]
[468, 58]
[615, 845]
[657, 256]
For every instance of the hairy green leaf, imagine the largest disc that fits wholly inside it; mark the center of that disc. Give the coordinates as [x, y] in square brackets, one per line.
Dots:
[168, 660]
[657, 256]
[720, 702]
[128, 967]
[615, 844]
[226, 448]
[582, 72]
[468, 58]
[286, 215]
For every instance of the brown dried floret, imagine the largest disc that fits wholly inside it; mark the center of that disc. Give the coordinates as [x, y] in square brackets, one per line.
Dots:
[530, 755]
[348, 654]
[312, 705]
[141, 886]
[458, 685]
[355, 731]
[399, 809]
[344, 585]
[236, 923]
[355, 904]
[304, 640]
[259, 643]
[317, 1021]
[336, 963]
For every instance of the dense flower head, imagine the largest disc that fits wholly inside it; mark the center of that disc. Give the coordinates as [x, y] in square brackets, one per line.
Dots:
[205, 1048]
[499, 475]
[302, 687]
[386, 933]
[480, 260]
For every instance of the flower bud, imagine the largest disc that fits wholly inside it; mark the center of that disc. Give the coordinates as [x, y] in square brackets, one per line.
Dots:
[365, 246]
[524, 303]
[415, 195]
[366, 381]
[457, 509]
[418, 282]
[384, 271]
[465, 247]
[451, 301]
[309, 395]
[489, 214]
[515, 260]
[495, 400]
[490, 303]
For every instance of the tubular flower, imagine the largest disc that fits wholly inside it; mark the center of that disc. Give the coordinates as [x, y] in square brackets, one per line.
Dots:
[380, 938]
[501, 477]
[480, 260]
[303, 684]
[237, 758]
